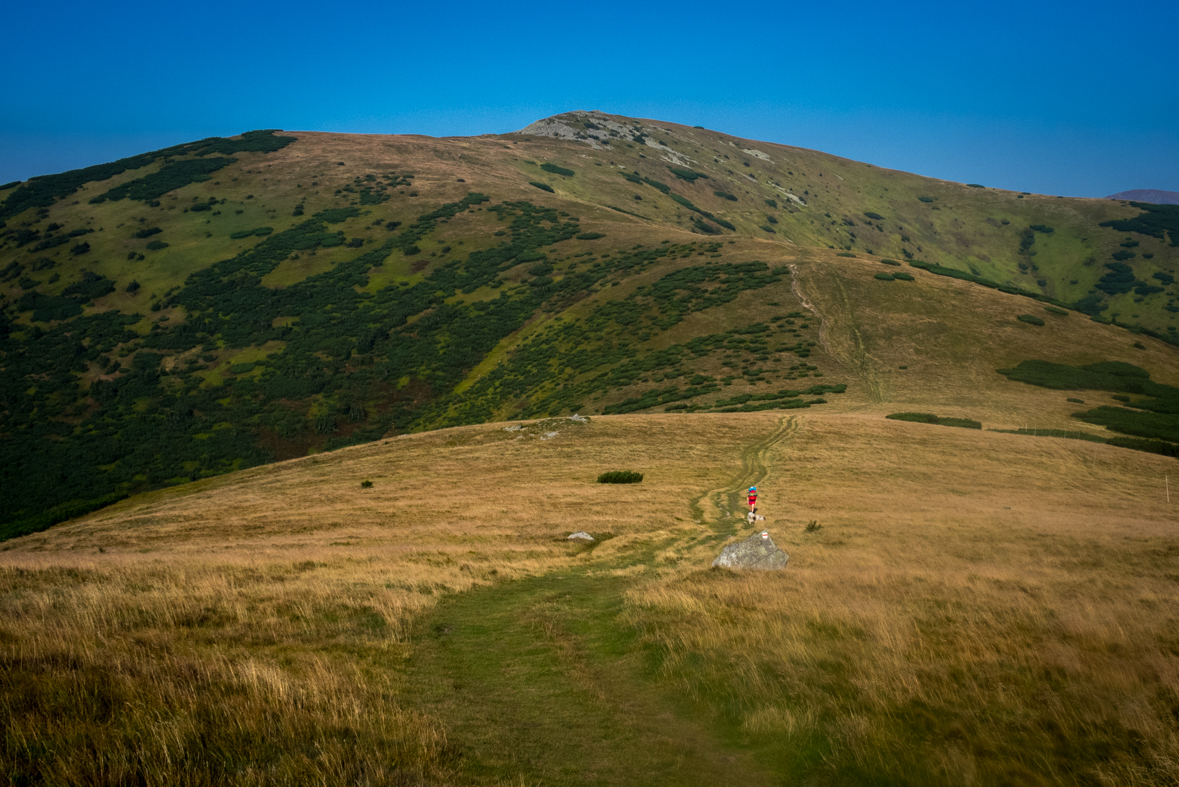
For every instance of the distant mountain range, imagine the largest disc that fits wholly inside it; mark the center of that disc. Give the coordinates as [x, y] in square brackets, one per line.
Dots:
[1148, 195]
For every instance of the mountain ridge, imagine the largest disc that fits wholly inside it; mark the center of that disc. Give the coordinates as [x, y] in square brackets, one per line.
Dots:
[230, 302]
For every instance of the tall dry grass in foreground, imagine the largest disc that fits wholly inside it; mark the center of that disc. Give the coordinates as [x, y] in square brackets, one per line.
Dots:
[254, 629]
[977, 608]
[955, 621]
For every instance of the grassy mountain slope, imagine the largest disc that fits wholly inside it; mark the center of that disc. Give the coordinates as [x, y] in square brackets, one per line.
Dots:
[234, 301]
[975, 607]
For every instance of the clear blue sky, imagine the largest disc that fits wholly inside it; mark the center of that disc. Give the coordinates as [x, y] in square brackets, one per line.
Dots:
[1077, 98]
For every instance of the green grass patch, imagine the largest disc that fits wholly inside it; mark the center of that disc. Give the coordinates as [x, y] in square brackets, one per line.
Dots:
[1030, 319]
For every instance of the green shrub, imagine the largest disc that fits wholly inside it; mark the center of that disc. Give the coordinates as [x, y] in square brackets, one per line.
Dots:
[337, 215]
[242, 368]
[964, 423]
[1075, 401]
[890, 262]
[1123, 255]
[874, 216]
[976, 185]
[687, 174]
[170, 177]
[927, 199]
[248, 233]
[1153, 221]
[930, 418]
[884, 276]
[725, 195]
[133, 286]
[666, 189]
[773, 203]
[1044, 228]
[845, 254]
[1056, 311]
[366, 484]
[620, 477]
[148, 232]
[590, 235]
[541, 186]
[553, 168]
[156, 245]
[902, 276]
[727, 225]
[922, 418]
[1030, 319]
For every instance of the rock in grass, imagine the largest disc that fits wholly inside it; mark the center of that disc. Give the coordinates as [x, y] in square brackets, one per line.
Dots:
[758, 551]
[581, 535]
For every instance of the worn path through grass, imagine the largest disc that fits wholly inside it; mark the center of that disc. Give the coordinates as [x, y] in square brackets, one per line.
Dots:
[543, 680]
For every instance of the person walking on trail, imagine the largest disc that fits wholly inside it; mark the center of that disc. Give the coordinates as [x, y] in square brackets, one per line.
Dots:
[753, 499]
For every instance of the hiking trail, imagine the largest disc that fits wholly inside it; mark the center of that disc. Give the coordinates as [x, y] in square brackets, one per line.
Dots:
[545, 680]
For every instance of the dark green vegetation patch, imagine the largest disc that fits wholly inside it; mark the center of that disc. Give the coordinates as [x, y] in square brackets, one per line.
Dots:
[41, 192]
[687, 174]
[1153, 221]
[1030, 319]
[541, 186]
[930, 418]
[1153, 416]
[553, 168]
[259, 231]
[620, 477]
[171, 176]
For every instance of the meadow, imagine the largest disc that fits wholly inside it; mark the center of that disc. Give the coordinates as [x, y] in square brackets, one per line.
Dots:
[969, 607]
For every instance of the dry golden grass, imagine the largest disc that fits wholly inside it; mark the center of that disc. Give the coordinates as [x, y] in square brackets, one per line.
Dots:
[967, 591]
[971, 602]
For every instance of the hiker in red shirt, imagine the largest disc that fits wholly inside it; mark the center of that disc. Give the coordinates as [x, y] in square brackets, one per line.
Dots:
[753, 499]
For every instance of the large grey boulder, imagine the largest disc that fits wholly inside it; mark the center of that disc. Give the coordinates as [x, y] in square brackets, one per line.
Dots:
[757, 551]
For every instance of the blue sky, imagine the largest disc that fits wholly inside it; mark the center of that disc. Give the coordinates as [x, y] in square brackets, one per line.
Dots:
[1078, 99]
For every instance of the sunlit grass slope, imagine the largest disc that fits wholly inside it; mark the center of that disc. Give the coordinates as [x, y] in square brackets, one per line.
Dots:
[974, 608]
